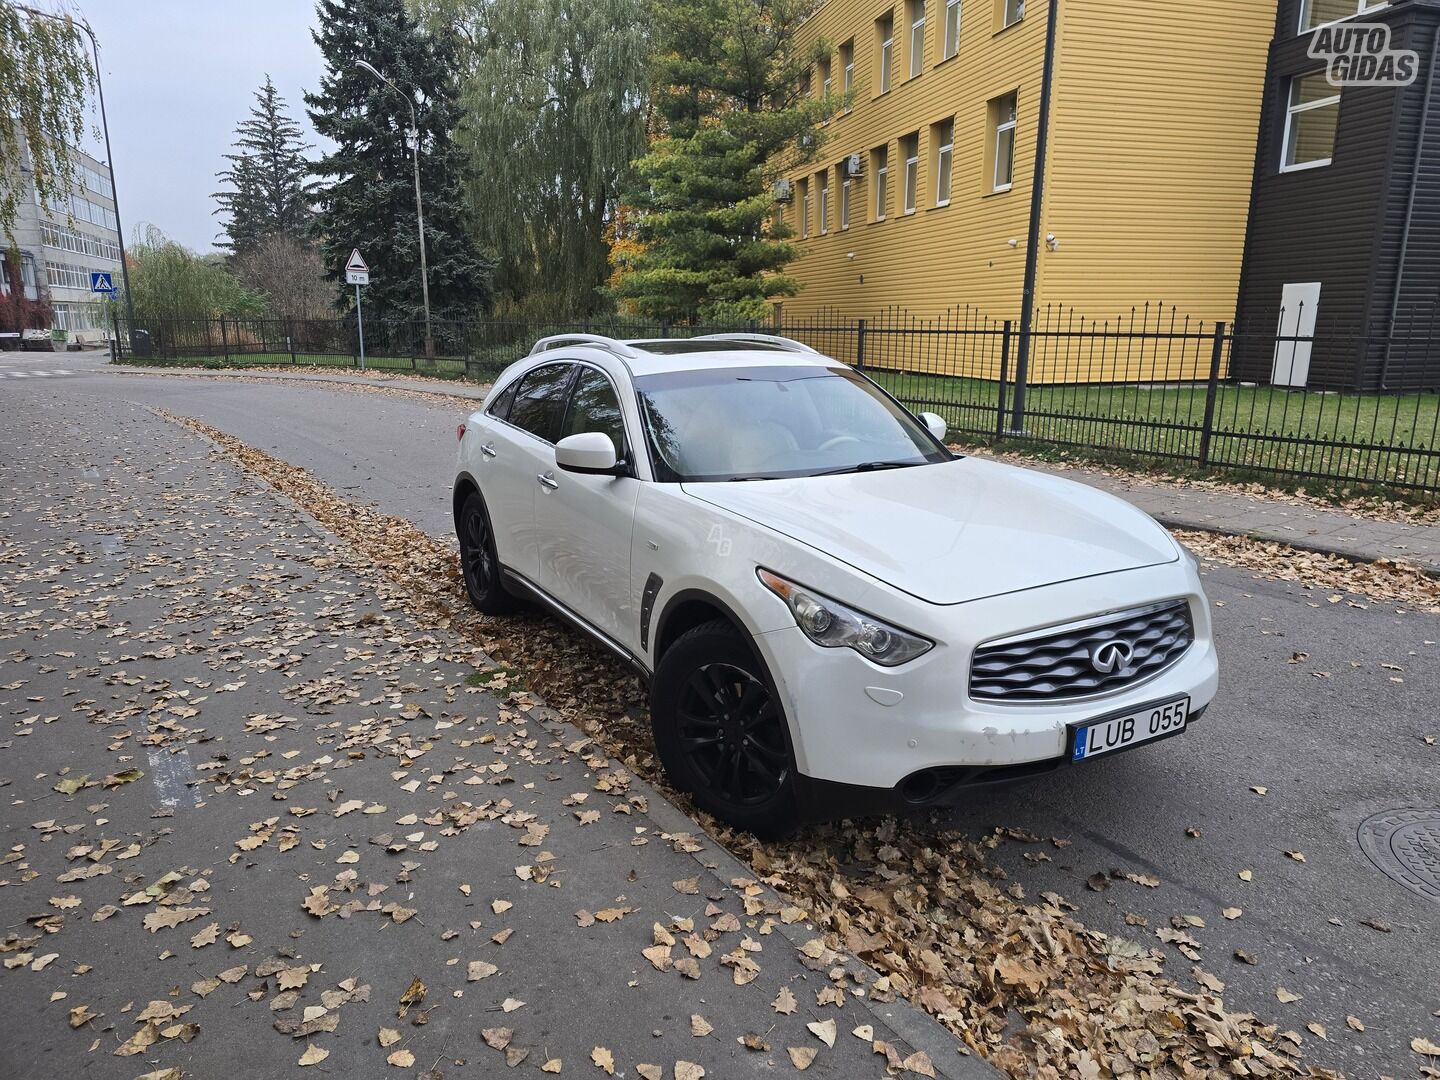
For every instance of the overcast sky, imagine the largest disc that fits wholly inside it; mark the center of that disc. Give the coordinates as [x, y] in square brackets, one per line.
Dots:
[179, 75]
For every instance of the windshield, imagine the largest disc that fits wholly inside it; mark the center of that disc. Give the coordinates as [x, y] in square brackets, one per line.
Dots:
[765, 423]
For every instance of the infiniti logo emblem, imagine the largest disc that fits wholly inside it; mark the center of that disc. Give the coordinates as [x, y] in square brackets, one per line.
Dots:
[1110, 656]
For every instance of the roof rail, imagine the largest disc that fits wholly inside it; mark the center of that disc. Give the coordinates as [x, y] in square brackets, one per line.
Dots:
[619, 348]
[788, 344]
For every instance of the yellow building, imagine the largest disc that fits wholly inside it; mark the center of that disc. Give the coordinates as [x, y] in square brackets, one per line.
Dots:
[919, 197]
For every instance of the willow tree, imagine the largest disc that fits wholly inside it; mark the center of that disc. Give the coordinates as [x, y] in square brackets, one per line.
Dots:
[553, 103]
[729, 95]
[45, 84]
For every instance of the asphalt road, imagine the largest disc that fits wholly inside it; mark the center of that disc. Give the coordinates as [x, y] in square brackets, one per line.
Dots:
[1333, 737]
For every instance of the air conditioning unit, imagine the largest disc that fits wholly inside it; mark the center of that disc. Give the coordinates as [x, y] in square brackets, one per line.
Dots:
[783, 191]
[807, 140]
[855, 165]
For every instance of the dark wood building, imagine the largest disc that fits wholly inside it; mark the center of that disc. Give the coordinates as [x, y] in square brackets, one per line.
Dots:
[1342, 251]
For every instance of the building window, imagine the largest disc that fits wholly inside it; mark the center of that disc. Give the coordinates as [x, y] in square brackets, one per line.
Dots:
[847, 70]
[1311, 117]
[67, 276]
[1315, 13]
[804, 209]
[825, 77]
[952, 28]
[880, 162]
[27, 275]
[942, 137]
[917, 37]
[807, 83]
[824, 183]
[910, 149]
[78, 243]
[72, 316]
[1009, 12]
[885, 35]
[1002, 122]
[845, 203]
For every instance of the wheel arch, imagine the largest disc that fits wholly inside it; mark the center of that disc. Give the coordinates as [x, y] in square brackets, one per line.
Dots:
[465, 486]
[690, 608]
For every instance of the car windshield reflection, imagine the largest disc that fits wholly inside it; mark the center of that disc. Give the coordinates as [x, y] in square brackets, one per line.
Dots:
[766, 423]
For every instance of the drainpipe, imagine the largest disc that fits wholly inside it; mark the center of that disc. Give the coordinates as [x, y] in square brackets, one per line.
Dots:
[1032, 243]
[1410, 208]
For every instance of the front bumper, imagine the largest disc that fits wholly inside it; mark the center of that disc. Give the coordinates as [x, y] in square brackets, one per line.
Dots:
[857, 724]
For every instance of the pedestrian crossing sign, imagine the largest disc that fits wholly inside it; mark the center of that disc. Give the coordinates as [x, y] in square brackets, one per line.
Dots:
[102, 281]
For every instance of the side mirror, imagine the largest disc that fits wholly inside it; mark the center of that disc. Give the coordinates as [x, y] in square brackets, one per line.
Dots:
[936, 424]
[589, 452]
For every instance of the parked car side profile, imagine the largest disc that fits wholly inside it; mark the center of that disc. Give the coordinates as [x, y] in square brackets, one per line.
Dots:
[833, 611]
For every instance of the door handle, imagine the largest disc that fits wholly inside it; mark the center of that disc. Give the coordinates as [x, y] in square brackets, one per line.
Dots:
[488, 449]
[548, 480]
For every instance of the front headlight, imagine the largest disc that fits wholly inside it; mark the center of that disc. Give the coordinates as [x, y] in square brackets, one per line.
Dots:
[831, 624]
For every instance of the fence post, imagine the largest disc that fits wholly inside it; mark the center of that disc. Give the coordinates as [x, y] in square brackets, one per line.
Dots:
[1004, 376]
[664, 327]
[115, 341]
[290, 338]
[1022, 378]
[1212, 388]
[224, 339]
[860, 344]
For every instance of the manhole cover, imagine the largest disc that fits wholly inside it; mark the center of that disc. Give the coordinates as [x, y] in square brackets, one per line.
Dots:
[1405, 845]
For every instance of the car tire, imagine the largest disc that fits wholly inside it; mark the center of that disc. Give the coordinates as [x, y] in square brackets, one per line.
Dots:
[479, 564]
[721, 732]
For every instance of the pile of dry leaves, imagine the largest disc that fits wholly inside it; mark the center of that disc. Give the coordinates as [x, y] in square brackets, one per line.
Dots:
[1022, 983]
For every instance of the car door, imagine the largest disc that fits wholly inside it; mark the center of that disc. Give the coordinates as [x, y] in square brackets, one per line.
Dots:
[584, 522]
[518, 448]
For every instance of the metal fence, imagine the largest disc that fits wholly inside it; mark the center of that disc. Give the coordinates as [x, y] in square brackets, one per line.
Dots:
[1152, 385]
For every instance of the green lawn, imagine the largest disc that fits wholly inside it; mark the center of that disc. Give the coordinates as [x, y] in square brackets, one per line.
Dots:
[1369, 438]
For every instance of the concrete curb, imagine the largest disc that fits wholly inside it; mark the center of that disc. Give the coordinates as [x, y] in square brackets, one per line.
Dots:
[455, 390]
[1359, 558]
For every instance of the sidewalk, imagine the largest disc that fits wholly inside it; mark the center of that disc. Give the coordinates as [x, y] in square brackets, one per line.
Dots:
[1180, 506]
[1238, 513]
[302, 824]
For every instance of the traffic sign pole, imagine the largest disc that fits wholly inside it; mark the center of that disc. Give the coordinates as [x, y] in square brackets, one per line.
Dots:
[360, 326]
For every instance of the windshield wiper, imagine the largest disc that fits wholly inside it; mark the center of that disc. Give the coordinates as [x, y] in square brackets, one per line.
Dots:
[870, 466]
[743, 479]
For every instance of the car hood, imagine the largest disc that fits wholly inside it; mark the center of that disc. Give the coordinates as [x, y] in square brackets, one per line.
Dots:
[956, 531]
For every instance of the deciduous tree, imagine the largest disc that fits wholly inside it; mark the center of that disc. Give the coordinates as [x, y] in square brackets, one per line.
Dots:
[45, 84]
[553, 99]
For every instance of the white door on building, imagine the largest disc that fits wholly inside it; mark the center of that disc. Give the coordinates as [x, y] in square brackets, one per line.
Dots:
[1294, 334]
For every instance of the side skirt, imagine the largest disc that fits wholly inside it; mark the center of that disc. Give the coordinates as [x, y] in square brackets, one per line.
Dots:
[523, 585]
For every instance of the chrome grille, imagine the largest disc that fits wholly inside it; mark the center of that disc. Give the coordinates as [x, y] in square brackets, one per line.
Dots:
[1057, 663]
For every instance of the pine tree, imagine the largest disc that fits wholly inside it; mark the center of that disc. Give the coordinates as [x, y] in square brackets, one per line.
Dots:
[367, 197]
[727, 84]
[269, 193]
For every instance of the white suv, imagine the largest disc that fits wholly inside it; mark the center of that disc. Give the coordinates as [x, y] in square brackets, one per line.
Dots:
[826, 601]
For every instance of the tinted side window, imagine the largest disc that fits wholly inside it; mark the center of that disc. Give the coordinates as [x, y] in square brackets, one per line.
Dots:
[501, 408]
[595, 407]
[540, 400]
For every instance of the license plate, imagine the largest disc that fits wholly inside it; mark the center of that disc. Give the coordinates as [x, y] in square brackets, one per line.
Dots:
[1112, 733]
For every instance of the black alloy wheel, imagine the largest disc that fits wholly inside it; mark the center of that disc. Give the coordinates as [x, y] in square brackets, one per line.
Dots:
[478, 561]
[721, 733]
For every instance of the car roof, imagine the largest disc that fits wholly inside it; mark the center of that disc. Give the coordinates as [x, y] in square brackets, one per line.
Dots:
[654, 356]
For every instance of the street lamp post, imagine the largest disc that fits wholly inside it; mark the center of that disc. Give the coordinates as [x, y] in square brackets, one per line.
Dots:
[419, 205]
[109, 161]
